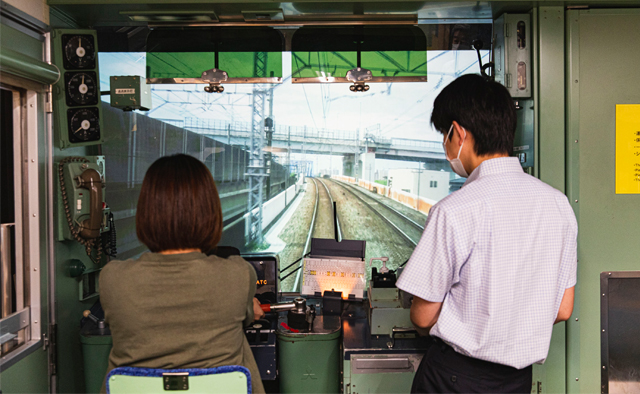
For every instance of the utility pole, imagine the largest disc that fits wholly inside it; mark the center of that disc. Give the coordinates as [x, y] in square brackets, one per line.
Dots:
[356, 156]
[269, 127]
[419, 172]
[256, 171]
[289, 158]
[330, 160]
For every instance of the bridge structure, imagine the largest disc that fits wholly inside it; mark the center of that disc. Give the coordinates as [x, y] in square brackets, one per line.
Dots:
[359, 150]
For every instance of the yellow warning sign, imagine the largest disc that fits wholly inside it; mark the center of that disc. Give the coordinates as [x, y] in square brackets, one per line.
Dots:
[628, 149]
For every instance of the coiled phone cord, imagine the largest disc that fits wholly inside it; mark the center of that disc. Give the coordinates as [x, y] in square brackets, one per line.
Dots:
[113, 250]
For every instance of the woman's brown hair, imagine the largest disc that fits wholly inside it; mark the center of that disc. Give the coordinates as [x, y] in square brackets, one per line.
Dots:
[179, 206]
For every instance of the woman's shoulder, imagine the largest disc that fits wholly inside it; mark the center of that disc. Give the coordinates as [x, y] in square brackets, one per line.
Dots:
[234, 272]
[236, 262]
[235, 266]
[115, 268]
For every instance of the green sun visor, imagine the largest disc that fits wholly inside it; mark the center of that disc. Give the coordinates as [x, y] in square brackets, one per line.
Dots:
[359, 54]
[214, 55]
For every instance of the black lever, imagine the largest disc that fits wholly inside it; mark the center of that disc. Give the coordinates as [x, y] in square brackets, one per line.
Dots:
[335, 221]
[477, 45]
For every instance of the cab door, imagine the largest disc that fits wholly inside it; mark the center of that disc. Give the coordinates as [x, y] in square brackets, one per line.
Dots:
[602, 75]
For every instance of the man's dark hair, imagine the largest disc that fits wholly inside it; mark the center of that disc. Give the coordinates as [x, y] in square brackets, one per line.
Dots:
[179, 206]
[484, 108]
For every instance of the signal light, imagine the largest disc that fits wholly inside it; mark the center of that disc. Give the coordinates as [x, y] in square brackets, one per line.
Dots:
[212, 88]
[359, 87]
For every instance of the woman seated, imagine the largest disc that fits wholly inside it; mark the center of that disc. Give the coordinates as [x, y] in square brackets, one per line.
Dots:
[175, 307]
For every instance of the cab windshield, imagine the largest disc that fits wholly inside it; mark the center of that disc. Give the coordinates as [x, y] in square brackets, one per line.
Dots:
[371, 159]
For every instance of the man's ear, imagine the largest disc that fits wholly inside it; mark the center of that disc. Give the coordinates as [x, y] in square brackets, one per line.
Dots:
[460, 131]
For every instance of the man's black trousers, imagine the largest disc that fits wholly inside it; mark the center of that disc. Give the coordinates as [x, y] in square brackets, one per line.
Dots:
[442, 370]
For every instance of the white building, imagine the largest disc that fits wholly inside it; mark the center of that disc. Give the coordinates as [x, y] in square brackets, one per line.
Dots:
[432, 184]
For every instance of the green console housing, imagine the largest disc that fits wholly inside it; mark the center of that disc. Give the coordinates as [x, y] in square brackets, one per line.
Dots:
[310, 362]
[96, 347]
[386, 310]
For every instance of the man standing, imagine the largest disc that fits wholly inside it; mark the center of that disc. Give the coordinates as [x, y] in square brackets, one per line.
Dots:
[496, 265]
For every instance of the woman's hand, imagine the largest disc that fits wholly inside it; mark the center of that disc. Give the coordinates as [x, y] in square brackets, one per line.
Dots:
[258, 313]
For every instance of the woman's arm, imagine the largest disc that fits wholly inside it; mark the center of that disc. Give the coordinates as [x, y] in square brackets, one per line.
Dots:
[252, 313]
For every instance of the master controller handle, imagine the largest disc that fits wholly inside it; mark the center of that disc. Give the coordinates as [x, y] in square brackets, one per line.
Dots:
[283, 306]
[89, 315]
[300, 316]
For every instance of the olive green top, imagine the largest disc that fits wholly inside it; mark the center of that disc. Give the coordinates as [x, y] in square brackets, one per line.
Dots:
[180, 311]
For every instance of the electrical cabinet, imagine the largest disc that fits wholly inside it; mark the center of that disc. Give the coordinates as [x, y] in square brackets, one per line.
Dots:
[129, 93]
[513, 54]
[513, 69]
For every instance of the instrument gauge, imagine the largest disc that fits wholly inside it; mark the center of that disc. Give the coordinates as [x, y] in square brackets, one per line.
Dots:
[82, 88]
[84, 124]
[79, 51]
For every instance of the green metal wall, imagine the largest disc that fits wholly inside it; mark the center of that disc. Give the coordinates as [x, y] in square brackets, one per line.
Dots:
[28, 376]
[602, 71]
[549, 49]
[11, 38]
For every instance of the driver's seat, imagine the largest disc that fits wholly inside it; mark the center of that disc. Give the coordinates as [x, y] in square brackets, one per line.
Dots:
[226, 379]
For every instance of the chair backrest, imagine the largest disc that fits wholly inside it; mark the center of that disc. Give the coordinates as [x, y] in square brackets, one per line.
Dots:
[233, 379]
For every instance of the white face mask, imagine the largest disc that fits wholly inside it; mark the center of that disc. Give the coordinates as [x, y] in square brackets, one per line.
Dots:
[456, 164]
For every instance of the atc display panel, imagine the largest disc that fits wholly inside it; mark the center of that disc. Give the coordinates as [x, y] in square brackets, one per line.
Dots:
[268, 272]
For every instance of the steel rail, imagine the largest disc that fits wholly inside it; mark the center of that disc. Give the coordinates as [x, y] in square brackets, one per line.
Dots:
[337, 223]
[308, 243]
[398, 229]
[408, 219]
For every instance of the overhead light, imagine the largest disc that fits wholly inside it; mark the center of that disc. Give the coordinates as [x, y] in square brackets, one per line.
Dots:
[263, 16]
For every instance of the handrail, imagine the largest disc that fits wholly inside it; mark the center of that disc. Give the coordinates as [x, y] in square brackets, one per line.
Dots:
[23, 66]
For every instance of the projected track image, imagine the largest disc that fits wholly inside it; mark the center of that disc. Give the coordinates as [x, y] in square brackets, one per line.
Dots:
[390, 229]
[315, 214]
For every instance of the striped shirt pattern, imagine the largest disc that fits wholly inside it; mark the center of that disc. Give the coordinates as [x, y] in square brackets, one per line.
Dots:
[499, 254]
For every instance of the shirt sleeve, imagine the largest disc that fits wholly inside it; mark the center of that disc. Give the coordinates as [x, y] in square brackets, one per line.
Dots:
[253, 278]
[435, 264]
[569, 259]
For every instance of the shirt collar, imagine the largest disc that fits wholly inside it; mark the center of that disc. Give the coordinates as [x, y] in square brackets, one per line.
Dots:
[500, 165]
[158, 257]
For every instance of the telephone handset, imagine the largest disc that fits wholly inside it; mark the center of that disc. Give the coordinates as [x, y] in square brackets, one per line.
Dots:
[90, 180]
[82, 203]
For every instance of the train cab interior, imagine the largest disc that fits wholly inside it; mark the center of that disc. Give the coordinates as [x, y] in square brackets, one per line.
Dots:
[314, 119]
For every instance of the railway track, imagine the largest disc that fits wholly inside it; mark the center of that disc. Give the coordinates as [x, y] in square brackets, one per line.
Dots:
[328, 212]
[408, 228]
[322, 221]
